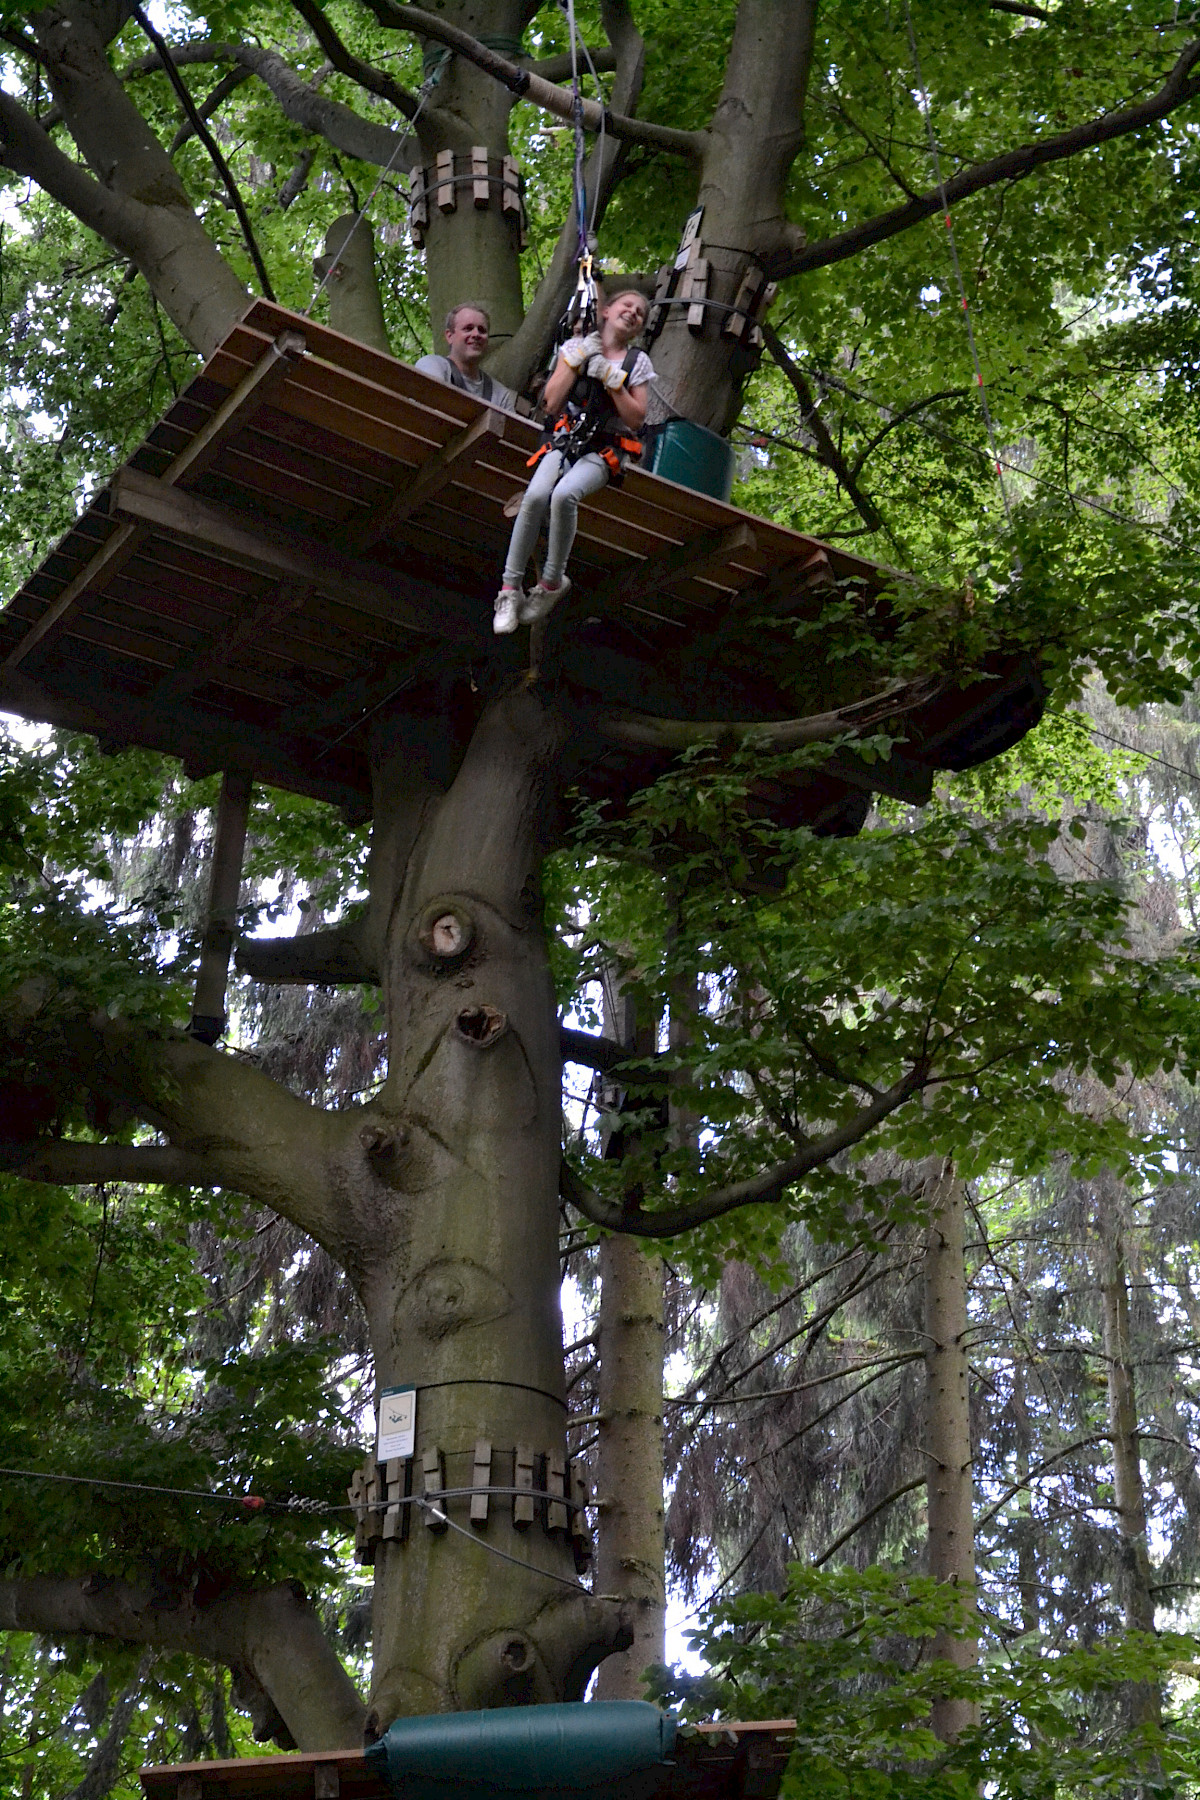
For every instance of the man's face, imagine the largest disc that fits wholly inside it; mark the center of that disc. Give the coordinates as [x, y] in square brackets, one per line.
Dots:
[468, 339]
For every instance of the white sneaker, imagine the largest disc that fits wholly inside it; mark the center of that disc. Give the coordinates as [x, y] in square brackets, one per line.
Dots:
[540, 601]
[507, 614]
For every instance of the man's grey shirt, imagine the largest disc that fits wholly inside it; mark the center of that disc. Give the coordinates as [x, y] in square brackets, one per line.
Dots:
[439, 367]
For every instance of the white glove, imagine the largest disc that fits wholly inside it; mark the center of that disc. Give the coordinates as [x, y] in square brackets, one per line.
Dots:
[610, 373]
[576, 351]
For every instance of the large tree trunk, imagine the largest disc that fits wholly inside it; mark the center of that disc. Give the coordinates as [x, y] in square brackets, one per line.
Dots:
[948, 1449]
[472, 253]
[756, 132]
[461, 1285]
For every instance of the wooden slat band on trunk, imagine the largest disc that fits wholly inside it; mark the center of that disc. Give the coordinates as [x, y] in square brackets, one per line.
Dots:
[272, 368]
[414, 605]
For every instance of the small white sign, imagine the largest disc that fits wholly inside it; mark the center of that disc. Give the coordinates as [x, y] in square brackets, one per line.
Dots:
[397, 1423]
[691, 232]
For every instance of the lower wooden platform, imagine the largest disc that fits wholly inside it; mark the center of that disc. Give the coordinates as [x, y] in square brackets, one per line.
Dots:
[734, 1761]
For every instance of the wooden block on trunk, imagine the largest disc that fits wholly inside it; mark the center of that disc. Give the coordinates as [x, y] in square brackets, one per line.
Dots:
[697, 292]
[481, 1476]
[480, 191]
[556, 1483]
[434, 1480]
[418, 207]
[523, 1478]
[735, 322]
[445, 194]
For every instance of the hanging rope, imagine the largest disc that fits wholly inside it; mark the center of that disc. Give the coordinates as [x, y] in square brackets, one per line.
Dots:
[436, 71]
[935, 158]
[582, 309]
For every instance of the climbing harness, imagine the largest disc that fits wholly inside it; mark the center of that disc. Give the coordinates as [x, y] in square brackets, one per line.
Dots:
[459, 380]
[590, 422]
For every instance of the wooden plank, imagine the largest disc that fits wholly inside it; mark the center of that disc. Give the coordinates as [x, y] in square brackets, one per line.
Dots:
[211, 660]
[272, 367]
[417, 606]
[433, 1479]
[710, 552]
[523, 1479]
[480, 190]
[445, 465]
[481, 1476]
[78, 702]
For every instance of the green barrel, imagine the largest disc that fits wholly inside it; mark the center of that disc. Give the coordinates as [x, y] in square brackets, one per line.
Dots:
[694, 457]
[571, 1749]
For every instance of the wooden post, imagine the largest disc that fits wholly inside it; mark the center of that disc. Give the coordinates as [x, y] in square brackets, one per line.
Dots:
[229, 845]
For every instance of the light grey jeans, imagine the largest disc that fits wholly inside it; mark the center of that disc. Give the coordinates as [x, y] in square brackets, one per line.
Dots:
[562, 494]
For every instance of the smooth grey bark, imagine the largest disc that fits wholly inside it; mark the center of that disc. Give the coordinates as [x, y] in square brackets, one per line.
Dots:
[459, 1273]
[752, 142]
[136, 199]
[349, 274]
[271, 1638]
[948, 1448]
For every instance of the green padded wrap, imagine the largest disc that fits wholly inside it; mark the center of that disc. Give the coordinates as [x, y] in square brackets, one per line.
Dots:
[523, 1749]
[694, 457]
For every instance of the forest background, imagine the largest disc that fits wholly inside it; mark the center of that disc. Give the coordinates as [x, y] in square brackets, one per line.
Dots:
[171, 1339]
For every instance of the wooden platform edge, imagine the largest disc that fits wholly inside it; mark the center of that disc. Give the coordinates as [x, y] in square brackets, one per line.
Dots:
[345, 1775]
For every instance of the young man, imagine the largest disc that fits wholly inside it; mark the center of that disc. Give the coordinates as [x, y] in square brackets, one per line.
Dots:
[595, 398]
[467, 331]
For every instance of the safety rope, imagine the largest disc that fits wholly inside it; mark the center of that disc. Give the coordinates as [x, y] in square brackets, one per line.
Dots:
[935, 158]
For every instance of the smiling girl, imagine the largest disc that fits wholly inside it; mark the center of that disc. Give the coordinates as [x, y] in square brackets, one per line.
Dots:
[595, 399]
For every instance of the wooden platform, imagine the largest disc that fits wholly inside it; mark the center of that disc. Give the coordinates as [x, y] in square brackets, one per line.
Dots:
[312, 536]
[737, 1761]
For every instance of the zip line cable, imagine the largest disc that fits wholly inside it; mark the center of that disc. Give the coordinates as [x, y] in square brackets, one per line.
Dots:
[255, 1503]
[423, 93]
[927, 115]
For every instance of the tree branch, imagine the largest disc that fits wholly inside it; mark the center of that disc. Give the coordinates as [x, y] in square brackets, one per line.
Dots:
[526, 85]
[647, 731]
[865, 1519]
[210, 144]
[828, 451]
[558, 68]
[227, 85]
[342, 953]
[27, 150]
[1179, 87]
[272, 1634]
[338, 124]
[768, 1187]
[66, 1161]
[375, 81]
[1022, 11]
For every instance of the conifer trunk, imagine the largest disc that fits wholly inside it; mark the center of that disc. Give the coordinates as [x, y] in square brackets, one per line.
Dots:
[948, 1447]
[1143, 1699]
[629, 1447]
